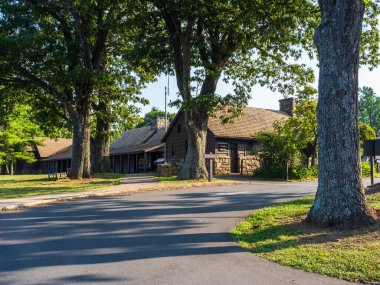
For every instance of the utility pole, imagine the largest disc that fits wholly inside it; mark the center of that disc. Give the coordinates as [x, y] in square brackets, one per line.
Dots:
[166, 100]
[166, 113]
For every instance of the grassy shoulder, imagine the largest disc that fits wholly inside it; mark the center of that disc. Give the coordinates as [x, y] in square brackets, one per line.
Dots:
[17, 186]
[172, 180]
[278, 233]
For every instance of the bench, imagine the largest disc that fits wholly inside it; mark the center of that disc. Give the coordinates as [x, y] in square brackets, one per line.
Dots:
[57, 175]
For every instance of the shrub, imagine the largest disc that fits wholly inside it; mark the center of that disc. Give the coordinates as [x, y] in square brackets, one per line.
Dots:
[366, 169]
[270, 172]
[279, 172]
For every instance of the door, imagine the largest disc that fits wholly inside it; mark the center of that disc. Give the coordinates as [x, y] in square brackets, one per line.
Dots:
[234, 158]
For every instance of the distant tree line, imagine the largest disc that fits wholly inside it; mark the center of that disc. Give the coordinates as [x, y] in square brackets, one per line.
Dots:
[369, 108]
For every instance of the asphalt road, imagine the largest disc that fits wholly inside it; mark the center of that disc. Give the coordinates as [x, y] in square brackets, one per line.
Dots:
[166, 237]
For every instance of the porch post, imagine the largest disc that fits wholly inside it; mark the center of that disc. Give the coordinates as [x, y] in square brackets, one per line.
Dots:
[120, 164]
[145, 158]
[137, 163]
[129, 165]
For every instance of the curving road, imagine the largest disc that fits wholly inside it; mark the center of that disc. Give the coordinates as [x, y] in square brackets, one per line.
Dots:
[167, 237]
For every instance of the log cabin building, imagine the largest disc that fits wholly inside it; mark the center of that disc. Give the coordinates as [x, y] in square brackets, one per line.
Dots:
[136, 150]
[231, 143]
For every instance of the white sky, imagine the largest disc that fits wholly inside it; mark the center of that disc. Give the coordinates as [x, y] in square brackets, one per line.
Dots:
[261, 97]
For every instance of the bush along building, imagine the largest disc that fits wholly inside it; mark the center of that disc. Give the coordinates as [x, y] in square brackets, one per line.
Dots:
[232, 143]
[137, 149]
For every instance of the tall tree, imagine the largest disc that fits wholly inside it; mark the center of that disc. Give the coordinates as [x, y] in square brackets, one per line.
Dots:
[250, 42]
[17, 130]
[369, 108]
[64, 47]
[340, 199]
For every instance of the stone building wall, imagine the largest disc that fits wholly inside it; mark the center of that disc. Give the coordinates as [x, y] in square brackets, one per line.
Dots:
[164, 170]
[222, 165]
[169, 168]
[249, 164]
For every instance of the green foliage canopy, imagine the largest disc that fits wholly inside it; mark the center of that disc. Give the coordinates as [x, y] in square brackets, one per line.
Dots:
[17, 133]
[248, 42]
[77, 52]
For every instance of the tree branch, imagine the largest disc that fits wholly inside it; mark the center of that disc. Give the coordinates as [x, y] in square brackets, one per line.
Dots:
[49, 89]
[81, 34]
[100, 43]
[52, 10]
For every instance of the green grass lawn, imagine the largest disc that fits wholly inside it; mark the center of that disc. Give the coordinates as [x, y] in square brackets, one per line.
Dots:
[31, 185]
[278, 233]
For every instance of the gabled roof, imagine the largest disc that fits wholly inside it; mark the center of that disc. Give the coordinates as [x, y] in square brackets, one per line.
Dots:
[52, 146]
[143, 139]
[63, 154]
[252, 121]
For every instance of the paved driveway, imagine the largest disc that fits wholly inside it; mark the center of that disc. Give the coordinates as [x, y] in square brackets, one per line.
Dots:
[169, 237]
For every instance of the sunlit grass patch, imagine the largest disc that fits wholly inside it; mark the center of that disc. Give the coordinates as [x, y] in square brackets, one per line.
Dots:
[17, 186]
[279, 233]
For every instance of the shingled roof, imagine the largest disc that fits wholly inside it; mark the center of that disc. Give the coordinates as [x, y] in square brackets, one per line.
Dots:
[143, 139]
[63, 154]
[51, 147]
[252, 121]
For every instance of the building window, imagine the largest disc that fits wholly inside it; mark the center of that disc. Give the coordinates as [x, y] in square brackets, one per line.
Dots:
[222, 146]
[179, 129]
[242, 147]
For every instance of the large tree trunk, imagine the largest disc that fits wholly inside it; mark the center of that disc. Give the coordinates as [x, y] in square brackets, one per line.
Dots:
[196, 120]
[100, 144]
[194, 166]
[80, 161]
[340, 199]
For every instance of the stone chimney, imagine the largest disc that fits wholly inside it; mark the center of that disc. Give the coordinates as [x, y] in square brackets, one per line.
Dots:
[158, 123]
[287, 105]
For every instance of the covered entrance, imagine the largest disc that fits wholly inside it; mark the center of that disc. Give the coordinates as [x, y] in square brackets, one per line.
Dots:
[136, 162]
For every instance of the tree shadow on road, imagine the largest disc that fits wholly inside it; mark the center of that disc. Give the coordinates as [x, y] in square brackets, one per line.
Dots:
[125, 228]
